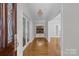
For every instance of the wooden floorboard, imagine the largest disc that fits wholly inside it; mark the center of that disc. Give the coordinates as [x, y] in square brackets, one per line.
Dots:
[41, 47]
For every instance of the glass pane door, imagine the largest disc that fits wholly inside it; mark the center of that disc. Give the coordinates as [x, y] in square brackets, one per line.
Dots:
[10, 22]
[24, 31]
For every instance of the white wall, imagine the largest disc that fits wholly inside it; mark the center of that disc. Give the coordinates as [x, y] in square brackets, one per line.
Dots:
[70, 29]
[52, 26]
[20, 15]
[46, 29]
[31, 26]
[20, 29]
[31, 30]
[43, 23]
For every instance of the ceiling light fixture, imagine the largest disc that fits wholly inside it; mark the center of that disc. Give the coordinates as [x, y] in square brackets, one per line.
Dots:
[40, 12]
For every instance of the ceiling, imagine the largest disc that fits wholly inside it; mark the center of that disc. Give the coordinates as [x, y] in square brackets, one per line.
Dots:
[49, 10]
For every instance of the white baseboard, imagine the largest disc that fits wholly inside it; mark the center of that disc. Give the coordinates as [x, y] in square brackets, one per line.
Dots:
[27, 44]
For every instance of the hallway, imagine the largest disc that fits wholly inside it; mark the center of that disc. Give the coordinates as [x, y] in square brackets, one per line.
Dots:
[41, 47]
[40, 29]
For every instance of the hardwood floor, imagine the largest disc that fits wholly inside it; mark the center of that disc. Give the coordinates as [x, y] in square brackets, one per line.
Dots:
[54, 46]
[8, 51]
[41, 47]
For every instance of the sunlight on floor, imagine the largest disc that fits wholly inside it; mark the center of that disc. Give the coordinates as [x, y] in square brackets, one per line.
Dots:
[41, 47]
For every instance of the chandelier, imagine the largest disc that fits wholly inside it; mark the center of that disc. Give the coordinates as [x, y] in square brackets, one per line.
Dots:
[39, 12]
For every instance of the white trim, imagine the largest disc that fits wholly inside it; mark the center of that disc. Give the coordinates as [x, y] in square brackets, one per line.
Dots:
[26, 17]
[40, 35]
[27, 43]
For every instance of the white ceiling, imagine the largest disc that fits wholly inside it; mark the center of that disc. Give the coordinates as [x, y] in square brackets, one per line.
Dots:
[50, 10]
